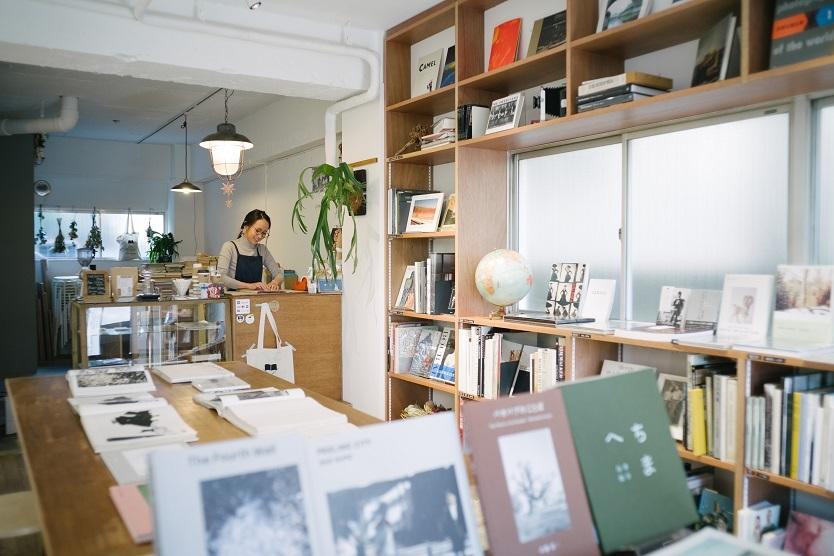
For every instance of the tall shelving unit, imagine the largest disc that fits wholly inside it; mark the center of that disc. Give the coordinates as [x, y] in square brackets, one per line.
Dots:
[481, 167]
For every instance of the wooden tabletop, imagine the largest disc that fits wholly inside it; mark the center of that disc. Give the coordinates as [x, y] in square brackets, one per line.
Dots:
[71, 482]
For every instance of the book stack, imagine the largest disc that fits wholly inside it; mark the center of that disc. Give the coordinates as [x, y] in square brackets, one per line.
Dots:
[443, 133]
[616, 89]
[428, 285]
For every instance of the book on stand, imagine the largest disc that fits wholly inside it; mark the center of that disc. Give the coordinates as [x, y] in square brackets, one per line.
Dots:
[714, 49]
[614, 13]
[548, 32]
[801, 31]
[426, 72]
[505, 40]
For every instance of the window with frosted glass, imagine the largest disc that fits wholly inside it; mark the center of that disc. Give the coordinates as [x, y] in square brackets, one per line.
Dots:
[569, 210]
[704, 202]
[824, 157]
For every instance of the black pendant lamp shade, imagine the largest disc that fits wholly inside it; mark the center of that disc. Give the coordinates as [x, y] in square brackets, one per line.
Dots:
[186, 186]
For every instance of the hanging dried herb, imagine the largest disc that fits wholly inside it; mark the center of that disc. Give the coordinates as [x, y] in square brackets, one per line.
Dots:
[41, 237]
[60, 246]
[94, 239]
[73, 230]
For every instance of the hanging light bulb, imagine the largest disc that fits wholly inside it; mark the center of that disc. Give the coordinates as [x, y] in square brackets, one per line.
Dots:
[186, 186]
[226, 146]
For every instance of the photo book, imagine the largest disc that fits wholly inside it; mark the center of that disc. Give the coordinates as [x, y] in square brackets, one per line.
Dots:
[565, 289]
[801, 31]
[505, 40]
[424, 213]
[548, 33]
[673, 391]
[189, 372]
[714, 49]
[220, 400]
[405, 296]
[712, 541]
[107, 404]
[426, 72]
[447, 72]
[535, 502]
[219, 384]
[136, 427]
[599, 299]
[345, 495]
[613, 13]
[505, 113]
[282, 414]
[683, 313]
[633, 476]
[109, 381]
[803, 304]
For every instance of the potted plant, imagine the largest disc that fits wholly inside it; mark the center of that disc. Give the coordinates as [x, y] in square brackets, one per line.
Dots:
[163, 248]
[342, 193]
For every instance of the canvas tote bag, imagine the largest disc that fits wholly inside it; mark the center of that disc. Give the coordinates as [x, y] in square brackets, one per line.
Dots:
[277, 361]
[128, 241]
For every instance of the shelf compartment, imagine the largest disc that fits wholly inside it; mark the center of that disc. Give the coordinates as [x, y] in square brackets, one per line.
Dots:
[436, 155]
[422, 316]
[431, 104]
[678, 24]
[789, 483]
[424, 24]
[519, 326]
[522, 74]
[706, 460]
[424, 235]
[764, 87]
[427, 382]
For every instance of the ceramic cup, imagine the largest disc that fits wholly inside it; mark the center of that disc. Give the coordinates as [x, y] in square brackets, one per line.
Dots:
[181, 286]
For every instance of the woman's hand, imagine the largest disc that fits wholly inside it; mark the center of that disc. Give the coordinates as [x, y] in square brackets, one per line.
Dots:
[258, 286]
[275, 285]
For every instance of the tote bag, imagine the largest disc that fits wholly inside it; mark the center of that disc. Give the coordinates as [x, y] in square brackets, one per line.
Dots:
[277, 361]
[128, 241]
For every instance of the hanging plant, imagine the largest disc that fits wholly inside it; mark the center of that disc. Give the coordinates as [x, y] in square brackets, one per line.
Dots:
[73, 230]
[149, 232]
[41, 237]
[60, 246]
[94, 239]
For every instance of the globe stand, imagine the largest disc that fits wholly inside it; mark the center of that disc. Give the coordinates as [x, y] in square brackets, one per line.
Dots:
[498, 313]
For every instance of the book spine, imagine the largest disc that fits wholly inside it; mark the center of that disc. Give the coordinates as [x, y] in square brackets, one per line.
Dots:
[430, 284]
[602, 84]
[817, 447]
[730, 418]
[698, 421]
[709, 416]
[776, 431]
[768, 418]
[787, 426]
[609, 101]
[560, 377]
[796, 424]
[748, 433]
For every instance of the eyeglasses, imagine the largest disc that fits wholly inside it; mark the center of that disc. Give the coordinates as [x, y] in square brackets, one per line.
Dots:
[262, 233]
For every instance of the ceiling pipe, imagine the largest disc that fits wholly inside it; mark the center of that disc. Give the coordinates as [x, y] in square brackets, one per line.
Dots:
[65, 121]
[239, 32]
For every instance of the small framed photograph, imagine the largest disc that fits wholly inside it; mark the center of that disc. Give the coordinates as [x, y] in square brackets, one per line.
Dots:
[673, 391]
[505, 113]
[448, 222]
[424, 213]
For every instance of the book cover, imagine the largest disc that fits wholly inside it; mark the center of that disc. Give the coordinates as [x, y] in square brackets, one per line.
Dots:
[599, 299]
[505, 113]
[802, 310]
[109, 381]
[522, 448]
[746, 305]
[425, 73]
[714, 49]
[504, 47]
[447, 73]
[135, 428]
[565, 288]
[405, 296]
[801, 31]
[548, 33]
[614, 13]
[698, 421]
[673, 390]
[131, 502]
[219, 384]
[630, 466]
[188, 372]
[610, 368]
[716, 510]
[809, 534]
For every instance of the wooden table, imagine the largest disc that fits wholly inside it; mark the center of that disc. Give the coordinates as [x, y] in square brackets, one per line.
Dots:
[71, 482]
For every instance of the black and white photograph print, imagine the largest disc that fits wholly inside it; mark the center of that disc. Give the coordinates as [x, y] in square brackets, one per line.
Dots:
[673, 391]
[672, 306]
[99, 378]
[416, 515]
[256, 513]
[505, 113]
[568, 272]
[618, 12]
[534, 481]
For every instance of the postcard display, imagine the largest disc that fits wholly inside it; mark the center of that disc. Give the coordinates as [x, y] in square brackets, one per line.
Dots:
[342, 494]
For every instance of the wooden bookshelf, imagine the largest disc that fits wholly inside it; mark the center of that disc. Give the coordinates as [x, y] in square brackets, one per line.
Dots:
[424, 235]
[481, 171]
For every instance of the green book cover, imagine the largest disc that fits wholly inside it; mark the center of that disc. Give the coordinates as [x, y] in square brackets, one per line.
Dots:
[633, 475]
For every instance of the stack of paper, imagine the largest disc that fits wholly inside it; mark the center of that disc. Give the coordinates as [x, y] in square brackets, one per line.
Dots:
[190, 372]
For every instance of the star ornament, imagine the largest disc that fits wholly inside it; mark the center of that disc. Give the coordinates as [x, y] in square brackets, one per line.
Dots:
[228, 203]
[228, 188]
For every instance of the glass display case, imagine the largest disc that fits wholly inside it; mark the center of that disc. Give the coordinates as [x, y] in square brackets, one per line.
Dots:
[149, 332]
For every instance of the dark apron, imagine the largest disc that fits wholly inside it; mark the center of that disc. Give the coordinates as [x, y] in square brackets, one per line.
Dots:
[249, 268]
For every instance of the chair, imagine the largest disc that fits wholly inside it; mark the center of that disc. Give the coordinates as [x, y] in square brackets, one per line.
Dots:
[19, 524]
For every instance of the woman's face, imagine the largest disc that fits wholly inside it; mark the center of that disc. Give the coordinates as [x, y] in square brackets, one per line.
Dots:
[257, 231]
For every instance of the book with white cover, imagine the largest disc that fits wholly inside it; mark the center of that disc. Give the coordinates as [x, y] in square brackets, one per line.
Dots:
[598, 300]
[803, 310]
[130, 466]
[219, 384]
[712, 541]
[189, 372]
[299, 415]
[109, 381]
[136, 428]
[219, 400]
[610, 368]
[351, 494]
[107, 404]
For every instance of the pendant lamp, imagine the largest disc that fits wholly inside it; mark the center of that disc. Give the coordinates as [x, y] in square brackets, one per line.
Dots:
[226, 146]
[186, 186]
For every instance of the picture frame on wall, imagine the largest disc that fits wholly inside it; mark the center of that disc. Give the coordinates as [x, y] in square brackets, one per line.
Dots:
[424, 213]
[505, 113]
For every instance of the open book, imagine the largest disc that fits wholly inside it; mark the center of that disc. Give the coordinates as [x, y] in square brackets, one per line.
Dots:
[353, 494]
[109, 381]
[219, 400]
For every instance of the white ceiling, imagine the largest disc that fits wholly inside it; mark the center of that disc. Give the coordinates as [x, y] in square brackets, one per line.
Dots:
[126, 108]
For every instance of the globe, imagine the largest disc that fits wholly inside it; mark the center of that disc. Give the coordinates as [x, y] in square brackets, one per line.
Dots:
[503, 277]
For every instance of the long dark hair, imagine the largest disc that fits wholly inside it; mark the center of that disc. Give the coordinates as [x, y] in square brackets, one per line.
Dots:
[253, 216]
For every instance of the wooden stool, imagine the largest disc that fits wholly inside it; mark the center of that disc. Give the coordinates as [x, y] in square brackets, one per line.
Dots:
[19, 524]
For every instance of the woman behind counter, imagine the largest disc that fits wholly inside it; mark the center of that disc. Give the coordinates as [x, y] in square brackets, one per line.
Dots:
[241, 262]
